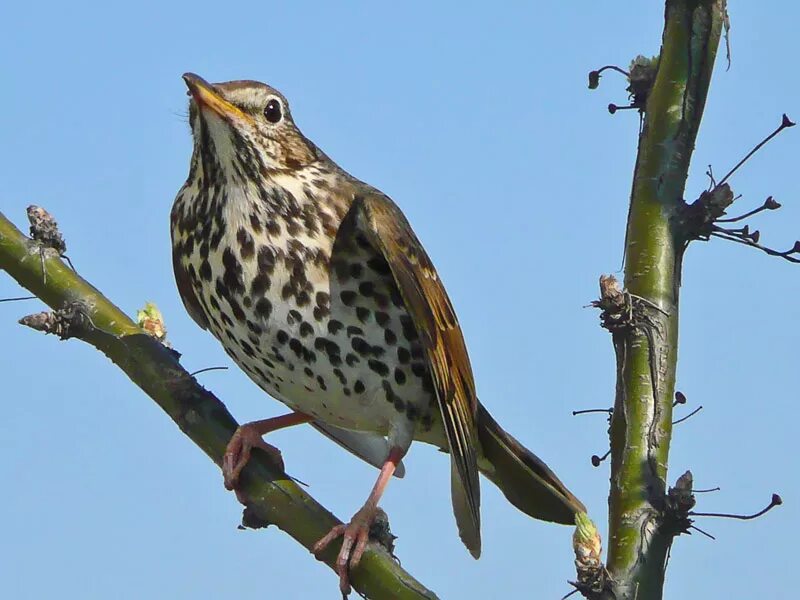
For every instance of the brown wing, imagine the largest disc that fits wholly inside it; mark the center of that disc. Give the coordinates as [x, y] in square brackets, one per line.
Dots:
[389, 233]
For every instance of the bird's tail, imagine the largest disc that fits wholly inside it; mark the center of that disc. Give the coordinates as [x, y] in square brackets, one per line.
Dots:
[526, 481]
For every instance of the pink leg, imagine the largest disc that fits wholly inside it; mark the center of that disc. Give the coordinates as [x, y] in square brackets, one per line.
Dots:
[247, 437]
[356, 532]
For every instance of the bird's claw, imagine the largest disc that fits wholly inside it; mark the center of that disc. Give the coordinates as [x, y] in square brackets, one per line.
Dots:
[355, 537]
[237, 454]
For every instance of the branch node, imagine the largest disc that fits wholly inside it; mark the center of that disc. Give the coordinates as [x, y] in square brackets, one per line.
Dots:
[70, 321]
[593, 578]
[151, 320]
[380, 532]
[44, 229]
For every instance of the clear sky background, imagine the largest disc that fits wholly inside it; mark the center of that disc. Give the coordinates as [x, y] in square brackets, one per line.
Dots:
[479, 123]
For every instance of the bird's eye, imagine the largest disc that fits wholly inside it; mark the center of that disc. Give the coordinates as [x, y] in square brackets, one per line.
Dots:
[273, 112]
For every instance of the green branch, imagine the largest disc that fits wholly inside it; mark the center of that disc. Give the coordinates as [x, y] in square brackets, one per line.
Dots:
[646, 345]
[272, 498]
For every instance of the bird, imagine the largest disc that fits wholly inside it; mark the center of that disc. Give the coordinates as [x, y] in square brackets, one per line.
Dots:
[317, 287]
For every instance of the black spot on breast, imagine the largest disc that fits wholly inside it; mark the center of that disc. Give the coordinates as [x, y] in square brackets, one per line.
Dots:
[232, 277]
[356, 270]
[296, 346]
[308, 372]
[348, 297]
[266, 260]
[306, 329]
[273, 227]
[282, 336]
[358, 387]
[392, 397]
[366, 288]
[303, 299]
[379, 367]
[321, 383]
[361, 346]
[379, 265]
[205, 270]
[389, 337]
[419, 369]
[293, 317]
[322, 299]
[351, 359]
[246, 244]
[334, 326]
[382, 318]
[382, 300]
[263, 308]
[260, 284]
[213, 301]
[226, 319]
[409, 331]
[238, 313]
[247, 348]
[255, 223]
[404, 356]
[362, 313]
[340, 376]
[399, 376]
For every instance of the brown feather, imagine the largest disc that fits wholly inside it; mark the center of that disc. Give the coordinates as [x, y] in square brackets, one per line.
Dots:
[426, 300]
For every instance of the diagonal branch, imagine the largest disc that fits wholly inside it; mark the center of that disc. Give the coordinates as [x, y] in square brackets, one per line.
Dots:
[272, 497]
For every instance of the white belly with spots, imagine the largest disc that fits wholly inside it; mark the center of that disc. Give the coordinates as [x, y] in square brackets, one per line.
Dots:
[349, 360]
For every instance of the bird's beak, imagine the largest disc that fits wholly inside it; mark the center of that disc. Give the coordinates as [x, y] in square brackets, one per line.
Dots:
[208, 98]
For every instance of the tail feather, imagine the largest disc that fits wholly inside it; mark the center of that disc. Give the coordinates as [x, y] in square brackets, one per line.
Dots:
[524, 479]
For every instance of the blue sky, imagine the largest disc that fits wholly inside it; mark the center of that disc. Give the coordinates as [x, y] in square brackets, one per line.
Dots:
[478, 123]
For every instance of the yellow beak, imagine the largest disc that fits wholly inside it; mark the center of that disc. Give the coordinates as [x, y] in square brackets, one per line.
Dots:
[207, 97]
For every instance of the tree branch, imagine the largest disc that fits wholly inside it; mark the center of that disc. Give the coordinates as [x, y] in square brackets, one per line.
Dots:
[646, 343]
[272, 497]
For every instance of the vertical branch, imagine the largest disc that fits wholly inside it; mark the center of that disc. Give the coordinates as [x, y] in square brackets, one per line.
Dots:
[646, 351]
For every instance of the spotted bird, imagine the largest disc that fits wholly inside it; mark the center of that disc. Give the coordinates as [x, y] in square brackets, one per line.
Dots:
[316, 286]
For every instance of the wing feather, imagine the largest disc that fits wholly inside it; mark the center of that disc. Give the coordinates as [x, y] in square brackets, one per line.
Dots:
[388, 232]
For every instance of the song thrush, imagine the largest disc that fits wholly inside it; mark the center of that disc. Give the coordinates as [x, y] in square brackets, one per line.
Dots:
[317, 287]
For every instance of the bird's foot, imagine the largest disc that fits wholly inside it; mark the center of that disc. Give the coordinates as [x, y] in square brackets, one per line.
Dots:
[238, 452]
[356, 536]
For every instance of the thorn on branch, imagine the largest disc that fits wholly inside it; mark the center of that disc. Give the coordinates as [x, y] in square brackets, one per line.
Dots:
[592, 410]
[206, 370]
[641, 76]
[775, 501]
[700, 218]
[689, 416]
[594, 76]
[70, 321]
[17, 299]
[786, 122]
[678, 516]
[596, 460]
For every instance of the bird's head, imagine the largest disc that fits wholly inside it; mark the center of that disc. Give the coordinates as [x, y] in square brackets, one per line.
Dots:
[244, 128]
